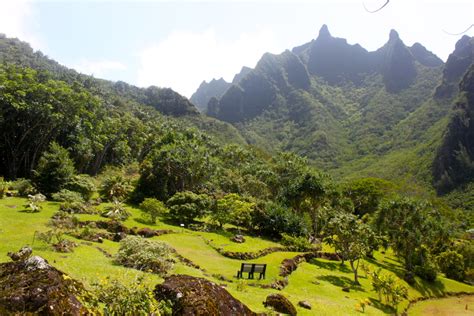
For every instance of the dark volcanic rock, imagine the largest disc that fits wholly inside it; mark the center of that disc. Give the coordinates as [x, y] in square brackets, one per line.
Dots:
[280, 304]
[196, 296]
[304, 304]
[456, 66]
[397, 65]
[336, 61]
[206, 91]
[424, 56]
[31, 285]
[454, 162]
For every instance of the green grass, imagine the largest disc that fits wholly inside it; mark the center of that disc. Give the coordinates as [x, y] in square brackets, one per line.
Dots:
[459, 306]
[320, 281]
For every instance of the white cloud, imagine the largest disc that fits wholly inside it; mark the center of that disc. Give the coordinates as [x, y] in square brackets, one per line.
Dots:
[184, 59]
[98, 68]
[17, 20]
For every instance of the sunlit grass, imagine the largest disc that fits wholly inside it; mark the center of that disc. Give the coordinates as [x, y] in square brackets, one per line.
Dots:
[319, 282]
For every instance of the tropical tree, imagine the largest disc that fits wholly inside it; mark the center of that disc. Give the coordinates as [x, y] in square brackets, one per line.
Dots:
[413, 228]
[54, 171]
[350, 238]
[152, 208]
[186, 206]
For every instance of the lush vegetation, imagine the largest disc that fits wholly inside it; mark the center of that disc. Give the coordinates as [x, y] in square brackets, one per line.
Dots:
[119, 165]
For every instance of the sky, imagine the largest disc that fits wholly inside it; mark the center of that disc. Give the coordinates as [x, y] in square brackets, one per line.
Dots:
[180, 43]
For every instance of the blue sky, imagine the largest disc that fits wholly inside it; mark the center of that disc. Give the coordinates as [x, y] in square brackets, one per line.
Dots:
[180, 43]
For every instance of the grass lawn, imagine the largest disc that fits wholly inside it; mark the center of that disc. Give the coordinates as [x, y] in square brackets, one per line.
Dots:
[460, 306]
[319, 282]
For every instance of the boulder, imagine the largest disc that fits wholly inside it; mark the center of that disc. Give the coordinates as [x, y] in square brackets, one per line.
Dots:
[280, 304]
[238, 239]
[304, 304]
[197, 296]
[29, 285]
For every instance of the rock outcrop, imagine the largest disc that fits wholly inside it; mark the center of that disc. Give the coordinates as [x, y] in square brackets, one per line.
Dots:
[29, 285]
[197, 296]
[280, 304]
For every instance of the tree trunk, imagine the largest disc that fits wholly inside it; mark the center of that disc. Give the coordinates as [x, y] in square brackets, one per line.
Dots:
[355, 268]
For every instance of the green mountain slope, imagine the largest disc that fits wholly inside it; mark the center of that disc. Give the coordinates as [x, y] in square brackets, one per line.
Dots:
[101, 122]
[352, 112]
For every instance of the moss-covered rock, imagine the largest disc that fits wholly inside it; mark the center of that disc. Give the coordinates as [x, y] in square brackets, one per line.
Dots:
[280, 304]
[197, 296]
[31, 285]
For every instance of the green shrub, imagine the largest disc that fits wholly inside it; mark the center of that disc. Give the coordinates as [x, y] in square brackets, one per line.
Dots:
[185, 207]
[24, 187]
[144, 254]
[115, 187]
[3, 187]
[388, 289]
[76, 208]
[272, 220]
[452, 264]
[34, 202]
[135, 298]
[54, 171]
[64, 221]
[427, 271]
[83, 184]
[152, 208]
[294, 243]
[67, 196]
[116, 211]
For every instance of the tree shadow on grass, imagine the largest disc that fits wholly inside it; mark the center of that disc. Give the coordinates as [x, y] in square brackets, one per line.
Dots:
[330, 265]
[380, 306]
[390, 266]
[341, 281]
[425, 288]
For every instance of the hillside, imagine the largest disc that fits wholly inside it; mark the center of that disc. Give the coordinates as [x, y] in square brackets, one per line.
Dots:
[88, 107]
[132, 193]
[350, 111]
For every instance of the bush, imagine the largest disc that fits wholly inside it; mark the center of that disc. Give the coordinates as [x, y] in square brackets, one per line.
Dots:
[452, 264]
[76, 208]
[143, 254]
[3, 187]
[67, 196]
[427, 271]
[64, 221]
[24, 187]
[34, 202]
[84, 185]
[273, 220]
[424, 265]
[299, 244]
[388, 288]
[54, 171]
[116, 211]
[185, 207]
[115, 187]
[135, 298]
[152, 208]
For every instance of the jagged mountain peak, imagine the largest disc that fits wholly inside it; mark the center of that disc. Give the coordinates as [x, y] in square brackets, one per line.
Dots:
[324, 31]
[393, 35]
[243, 72]
[463, 41]
[457, 64]
[424, 56]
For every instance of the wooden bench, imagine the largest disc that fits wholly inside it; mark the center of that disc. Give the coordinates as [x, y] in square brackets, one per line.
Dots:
[252, 268]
